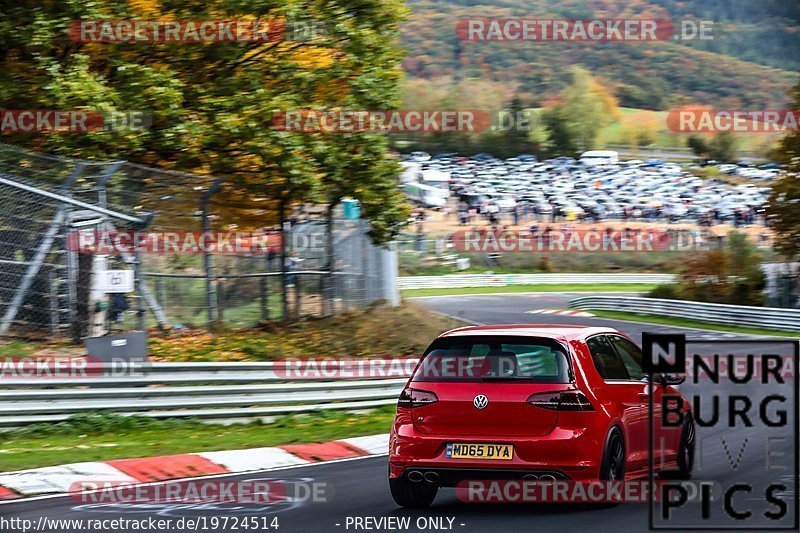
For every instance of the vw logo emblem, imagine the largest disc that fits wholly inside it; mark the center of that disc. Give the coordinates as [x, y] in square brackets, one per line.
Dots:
[480, 401]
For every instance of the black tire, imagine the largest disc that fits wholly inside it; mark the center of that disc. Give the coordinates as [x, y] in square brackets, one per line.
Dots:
[412, 495]
[612, 468]
[686, 448]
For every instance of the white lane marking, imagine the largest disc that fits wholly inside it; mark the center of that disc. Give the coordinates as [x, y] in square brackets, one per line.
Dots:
[561, 312]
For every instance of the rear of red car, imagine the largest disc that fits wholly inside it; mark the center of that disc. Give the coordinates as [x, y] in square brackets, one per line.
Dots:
[483, 405]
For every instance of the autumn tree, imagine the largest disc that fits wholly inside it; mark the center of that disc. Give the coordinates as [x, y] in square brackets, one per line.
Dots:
[587, 106]
[730, 275]
[212, 104]
[783, 211]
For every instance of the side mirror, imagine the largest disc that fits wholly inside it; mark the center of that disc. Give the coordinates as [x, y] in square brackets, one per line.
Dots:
[669, 379]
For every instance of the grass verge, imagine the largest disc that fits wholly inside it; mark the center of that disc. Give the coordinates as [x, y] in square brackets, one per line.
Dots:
[379, 331]
[103, 437]
[696, 324]
[576, 287]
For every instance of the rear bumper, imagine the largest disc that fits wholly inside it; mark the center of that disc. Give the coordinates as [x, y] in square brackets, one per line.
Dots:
[453, 476]
[565, 454]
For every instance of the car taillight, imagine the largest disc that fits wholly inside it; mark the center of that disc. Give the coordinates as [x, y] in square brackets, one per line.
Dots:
[568, 400]
[416, 398]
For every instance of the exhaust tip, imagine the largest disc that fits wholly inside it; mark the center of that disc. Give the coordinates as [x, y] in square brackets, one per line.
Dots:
[415, 476]
[530, 477]
[431, 477]
[549, 478]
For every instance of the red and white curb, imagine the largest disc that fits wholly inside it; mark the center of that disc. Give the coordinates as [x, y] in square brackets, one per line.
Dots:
[59, 479]
[562, 312]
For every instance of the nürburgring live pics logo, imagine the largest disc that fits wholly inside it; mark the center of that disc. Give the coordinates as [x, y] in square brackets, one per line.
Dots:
[743, 403]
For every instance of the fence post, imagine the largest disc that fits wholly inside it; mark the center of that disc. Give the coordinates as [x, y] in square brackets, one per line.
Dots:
[391, 293]
[54, 311]
[297, 303]
[264, 287]
[141, 288]
[208, 259]
[283, 255]
[161, 296]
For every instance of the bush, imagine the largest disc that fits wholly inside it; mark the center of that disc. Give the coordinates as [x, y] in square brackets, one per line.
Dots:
[665, 292]
[731, 275]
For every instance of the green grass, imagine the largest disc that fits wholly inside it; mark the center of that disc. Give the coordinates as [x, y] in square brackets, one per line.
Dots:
[685, 323]
[633, 121]
[103, 437]
[17, 348]
[576, 287]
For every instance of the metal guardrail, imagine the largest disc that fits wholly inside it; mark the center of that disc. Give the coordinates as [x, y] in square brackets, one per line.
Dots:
[740, 315]
[449, 281]
[203, 390]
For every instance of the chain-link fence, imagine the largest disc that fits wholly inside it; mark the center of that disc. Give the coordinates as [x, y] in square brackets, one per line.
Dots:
[57, 213]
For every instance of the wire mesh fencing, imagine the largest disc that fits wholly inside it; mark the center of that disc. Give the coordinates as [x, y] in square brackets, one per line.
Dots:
[68, 224]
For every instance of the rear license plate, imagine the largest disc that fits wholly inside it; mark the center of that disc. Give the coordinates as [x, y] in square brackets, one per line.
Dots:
[501, 452]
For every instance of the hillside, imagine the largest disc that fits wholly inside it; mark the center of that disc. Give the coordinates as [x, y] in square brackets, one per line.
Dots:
[751, 62]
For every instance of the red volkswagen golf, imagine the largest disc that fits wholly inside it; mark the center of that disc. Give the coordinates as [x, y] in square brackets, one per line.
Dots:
[532, 402]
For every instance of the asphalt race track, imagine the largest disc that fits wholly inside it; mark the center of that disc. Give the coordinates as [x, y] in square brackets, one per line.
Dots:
[359, 487]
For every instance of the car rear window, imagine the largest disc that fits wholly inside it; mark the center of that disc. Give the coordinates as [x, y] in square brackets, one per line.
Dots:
[490, 358]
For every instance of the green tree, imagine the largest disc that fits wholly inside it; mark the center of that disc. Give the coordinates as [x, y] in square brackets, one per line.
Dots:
[517, 139]
[560, 140]
[783, 211]
[723, 147]
[588, 107]
[572, 126]
[697, 145]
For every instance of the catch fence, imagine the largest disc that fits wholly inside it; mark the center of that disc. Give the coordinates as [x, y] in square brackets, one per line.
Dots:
[52, 287]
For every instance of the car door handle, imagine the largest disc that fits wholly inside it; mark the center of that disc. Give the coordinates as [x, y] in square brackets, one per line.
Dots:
[643, 396]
